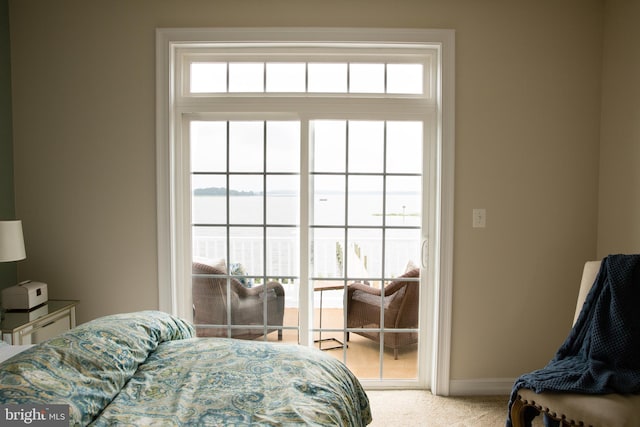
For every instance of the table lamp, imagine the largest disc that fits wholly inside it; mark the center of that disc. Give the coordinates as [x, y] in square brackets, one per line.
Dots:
[11, 241]
[11, 244]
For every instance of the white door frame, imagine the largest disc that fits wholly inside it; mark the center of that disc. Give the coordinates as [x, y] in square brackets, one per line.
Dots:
[441, 244]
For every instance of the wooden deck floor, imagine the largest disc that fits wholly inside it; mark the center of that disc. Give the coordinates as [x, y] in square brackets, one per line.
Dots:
[362, 355]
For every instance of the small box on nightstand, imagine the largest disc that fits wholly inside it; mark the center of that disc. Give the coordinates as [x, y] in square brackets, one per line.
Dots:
[24, 296]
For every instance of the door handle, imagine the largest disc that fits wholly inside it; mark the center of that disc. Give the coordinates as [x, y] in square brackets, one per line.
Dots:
[424, 253]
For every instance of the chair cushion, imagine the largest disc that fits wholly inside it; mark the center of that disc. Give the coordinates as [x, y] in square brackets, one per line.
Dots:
[374, 300]
[604, 410]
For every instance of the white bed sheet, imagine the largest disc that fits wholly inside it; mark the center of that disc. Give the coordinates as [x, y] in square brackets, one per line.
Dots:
[7, 351]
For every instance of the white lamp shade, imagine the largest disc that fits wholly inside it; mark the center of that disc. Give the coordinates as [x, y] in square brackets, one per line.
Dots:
[11, 241]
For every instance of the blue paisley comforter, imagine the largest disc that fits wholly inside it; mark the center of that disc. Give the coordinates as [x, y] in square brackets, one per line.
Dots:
[146, 368]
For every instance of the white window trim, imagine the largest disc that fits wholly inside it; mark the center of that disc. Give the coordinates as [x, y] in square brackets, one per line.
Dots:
[442, 256]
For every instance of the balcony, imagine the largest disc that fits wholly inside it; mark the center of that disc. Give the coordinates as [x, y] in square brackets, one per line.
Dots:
[362, 355]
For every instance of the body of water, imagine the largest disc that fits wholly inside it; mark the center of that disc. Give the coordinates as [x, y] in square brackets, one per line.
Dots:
[361, 255]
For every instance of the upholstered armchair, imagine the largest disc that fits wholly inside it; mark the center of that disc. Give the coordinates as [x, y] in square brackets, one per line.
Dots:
[400, 305]
[577, 409]
[210, 305]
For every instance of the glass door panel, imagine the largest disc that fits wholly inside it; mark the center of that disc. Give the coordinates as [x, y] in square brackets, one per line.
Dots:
[209, 201]
[366, 216]
[329, 138]
[365, 200]
[246, 202]
[329, 202]
[364, 260]
[246, 146]
[327, 253]
[366, 146]
[245, 237]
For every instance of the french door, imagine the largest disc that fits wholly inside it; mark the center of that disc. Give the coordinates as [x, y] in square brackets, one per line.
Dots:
[331, 210]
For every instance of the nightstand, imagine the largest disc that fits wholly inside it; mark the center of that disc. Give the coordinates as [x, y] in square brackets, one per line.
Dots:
[38, 324]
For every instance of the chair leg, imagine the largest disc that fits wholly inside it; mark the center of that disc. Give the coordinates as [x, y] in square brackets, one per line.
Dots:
[279, 334]
[347, 336]
[517, 413]
[395, 354]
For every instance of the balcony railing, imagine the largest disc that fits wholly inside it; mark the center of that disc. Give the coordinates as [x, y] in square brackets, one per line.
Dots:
[363, 260]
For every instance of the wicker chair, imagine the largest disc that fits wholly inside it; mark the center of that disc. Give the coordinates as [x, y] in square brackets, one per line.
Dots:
[400, 310]
[210, 305]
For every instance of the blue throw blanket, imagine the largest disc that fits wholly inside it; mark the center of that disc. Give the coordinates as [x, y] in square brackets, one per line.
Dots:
[602, 352]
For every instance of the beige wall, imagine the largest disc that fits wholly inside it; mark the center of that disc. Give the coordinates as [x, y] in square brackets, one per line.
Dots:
[619, 201]
[527, 132]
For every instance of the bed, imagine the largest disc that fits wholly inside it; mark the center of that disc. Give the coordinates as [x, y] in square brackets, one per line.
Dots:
[148, 368]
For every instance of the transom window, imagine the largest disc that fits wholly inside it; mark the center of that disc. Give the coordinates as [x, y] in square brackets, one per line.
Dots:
[312, 77]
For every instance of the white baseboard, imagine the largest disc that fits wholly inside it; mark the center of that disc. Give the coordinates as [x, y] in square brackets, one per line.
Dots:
[481, 387]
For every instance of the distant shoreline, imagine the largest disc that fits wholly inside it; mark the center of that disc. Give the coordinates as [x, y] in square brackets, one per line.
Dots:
[221, 191]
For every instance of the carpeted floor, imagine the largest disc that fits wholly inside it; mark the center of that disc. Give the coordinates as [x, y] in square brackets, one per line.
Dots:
[420, 408]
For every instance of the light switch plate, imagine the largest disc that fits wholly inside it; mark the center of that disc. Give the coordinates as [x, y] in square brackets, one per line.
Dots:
[479, 218]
